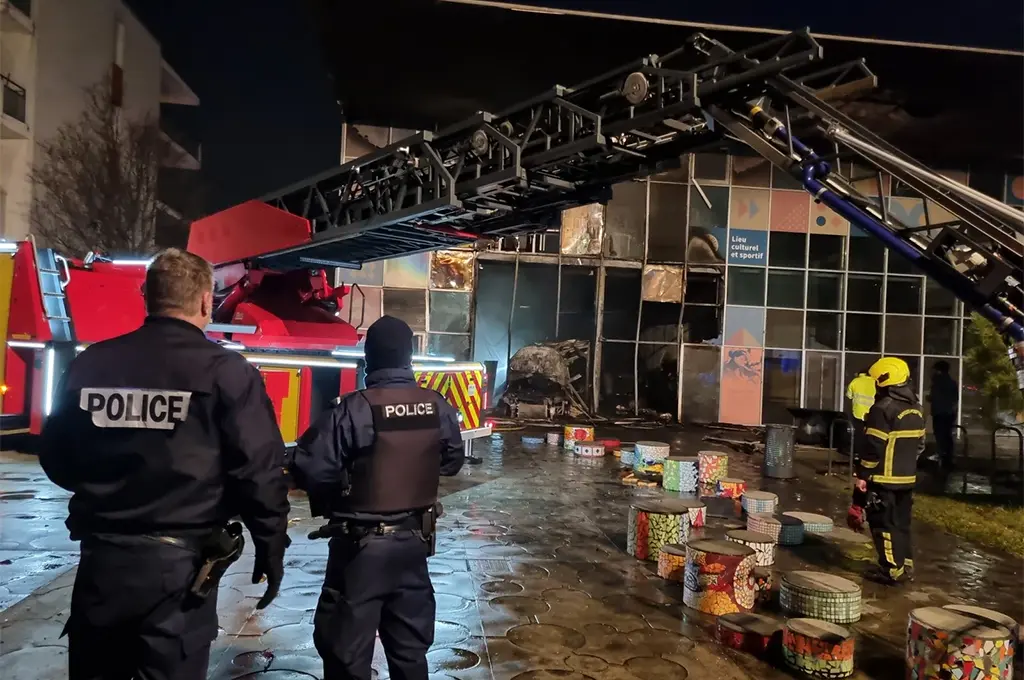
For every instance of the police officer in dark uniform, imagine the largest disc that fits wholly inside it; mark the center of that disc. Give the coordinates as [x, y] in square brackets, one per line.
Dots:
[886, 471]
[162, 437]
[371, 466]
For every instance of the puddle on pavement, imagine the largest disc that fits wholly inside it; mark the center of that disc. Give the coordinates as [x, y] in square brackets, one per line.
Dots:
[18, 495]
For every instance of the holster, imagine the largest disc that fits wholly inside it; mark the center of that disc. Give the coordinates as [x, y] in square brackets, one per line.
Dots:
[219, 551]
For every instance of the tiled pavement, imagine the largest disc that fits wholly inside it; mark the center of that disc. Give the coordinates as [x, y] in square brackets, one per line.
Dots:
[531, 581]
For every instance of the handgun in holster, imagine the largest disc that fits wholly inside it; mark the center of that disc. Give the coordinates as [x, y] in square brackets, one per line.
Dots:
[429, 527]
[219, 551]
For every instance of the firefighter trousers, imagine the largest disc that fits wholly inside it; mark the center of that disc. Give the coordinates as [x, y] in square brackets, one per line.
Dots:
[375, 584]
[132, 615]
[889, 513]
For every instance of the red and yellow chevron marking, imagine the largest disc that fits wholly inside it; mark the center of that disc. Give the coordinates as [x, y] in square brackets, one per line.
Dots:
[432, 380]
[464, 392]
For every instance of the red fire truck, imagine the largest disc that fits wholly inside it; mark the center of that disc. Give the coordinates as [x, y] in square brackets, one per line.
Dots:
[288, 323]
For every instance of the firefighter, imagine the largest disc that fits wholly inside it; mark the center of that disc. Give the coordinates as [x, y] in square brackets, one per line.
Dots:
[163, 436]
[371, 466]
[887, 467]
[861, 393]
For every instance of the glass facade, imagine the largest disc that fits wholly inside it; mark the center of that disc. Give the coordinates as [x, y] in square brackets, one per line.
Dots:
[719, 291]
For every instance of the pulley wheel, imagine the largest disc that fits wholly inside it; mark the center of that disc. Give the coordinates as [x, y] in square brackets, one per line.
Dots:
[635, 88]
[479, 143]
[506, 128]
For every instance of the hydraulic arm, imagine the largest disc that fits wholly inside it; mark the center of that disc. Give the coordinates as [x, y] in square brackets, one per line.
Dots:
[515, 171]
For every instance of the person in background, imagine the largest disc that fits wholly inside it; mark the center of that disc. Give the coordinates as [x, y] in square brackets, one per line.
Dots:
[861, 395]
[886, 469]
[944, 396]
[371, 466]
[162, 437]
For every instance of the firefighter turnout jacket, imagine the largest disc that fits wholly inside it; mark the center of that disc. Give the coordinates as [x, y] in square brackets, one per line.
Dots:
[161, 431]
[894, 437]
[378, 455]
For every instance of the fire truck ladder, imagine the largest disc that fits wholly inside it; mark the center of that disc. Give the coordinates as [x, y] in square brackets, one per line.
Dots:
[51, 286]
[514, 172]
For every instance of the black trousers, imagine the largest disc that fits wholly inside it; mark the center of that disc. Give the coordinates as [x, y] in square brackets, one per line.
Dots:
[378, 584]
[944, 427]
[889, 512]
[131, 618]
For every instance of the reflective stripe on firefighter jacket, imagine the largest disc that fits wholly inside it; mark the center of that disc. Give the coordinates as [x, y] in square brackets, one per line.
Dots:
[861, 393]
[895, 430]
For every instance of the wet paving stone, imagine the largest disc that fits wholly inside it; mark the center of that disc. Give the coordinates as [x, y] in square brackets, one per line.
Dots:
[545, 638]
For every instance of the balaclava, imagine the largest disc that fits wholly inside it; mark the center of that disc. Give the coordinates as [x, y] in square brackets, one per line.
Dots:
[388, 344]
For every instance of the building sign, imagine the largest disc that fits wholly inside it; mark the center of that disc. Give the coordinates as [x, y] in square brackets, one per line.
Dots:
[747, 246]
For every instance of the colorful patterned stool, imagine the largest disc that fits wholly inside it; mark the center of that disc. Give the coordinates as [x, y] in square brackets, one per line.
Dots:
[818, 649]
[695, 509]
[820, 596]
[759, 501]
[748, 632]
[654, 523]
[610, 444]
[813, 524]
[763, 582]
[791, 531]
[763, 545]
[730, 487]
[680, 474]
[576, 433]
[994, 618]
[672, 562]
[764, 523]
[554, 438]
[717, 577]
[943, 643]
[589, 450]
[626, 456]
[649, 457]
[712, 466]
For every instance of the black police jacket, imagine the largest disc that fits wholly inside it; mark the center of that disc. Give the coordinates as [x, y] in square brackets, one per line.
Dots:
[326, 453]
[162, 431]
[895, 430]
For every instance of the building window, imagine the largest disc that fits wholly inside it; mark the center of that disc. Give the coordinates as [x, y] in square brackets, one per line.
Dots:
[824, 290]
[863, 333]
[903, 295]
[864, 293]
[745, 286]
[938, 301]
[826, 251]
[785, 288]
[784, 328]
[902, 334]
[866, 253]
[941, 336]
[787, 249]
[823, 330]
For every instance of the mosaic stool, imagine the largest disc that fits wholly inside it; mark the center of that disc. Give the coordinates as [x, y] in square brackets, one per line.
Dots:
[730, 487]
[626, 456]
[778, 452]
[576, 433]
[943, 643]
[712, 466]
[649, 457]
[748, 632]
[763, 545]
[696, 510]
[610, 444]
[994, 618]
[813, 524]
[680, 474]
[818, 649]
[554, 438]
[820, 596]
[763, 523]
[654, 523]
[672, 562]
[528, 440]
[791, 531]
[589, 449]
[763, 583]
[717, 579]
[759, 501]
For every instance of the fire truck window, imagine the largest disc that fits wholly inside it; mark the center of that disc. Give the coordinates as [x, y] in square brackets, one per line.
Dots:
[449, 312]
[408, 305]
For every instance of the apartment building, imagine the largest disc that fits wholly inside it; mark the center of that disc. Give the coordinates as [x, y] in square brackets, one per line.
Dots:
[51, 51]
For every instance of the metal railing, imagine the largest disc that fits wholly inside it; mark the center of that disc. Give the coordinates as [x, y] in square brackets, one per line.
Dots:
[1019, 432]
[181, 138]
[14, 100]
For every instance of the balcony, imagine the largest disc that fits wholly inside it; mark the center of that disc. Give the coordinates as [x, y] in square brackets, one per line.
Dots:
[13, 121]
[173, 89]
[16, 16]
[183, 152]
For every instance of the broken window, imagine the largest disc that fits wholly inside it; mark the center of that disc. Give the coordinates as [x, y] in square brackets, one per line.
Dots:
[624, 221]
[582, 229]
[452, 270]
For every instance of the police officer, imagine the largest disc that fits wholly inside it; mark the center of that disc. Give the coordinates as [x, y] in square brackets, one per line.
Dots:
[374, 462]
[162, 436]
[887, 468]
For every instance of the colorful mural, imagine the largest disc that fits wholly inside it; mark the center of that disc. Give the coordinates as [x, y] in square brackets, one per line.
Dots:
[744, 326]
[740, 401]
[748, 246]
[748, 209]
[790, 211]
[825, 221]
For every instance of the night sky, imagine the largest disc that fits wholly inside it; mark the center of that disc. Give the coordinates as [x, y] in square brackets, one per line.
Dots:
[268, 115]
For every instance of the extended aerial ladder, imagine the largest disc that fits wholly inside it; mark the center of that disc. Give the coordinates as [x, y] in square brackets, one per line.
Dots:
[513, 172]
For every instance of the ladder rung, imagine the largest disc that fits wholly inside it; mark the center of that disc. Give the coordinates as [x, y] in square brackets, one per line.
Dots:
[49, 271]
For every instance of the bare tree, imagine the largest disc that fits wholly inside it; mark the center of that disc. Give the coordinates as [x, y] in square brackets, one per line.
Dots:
[95, 181]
